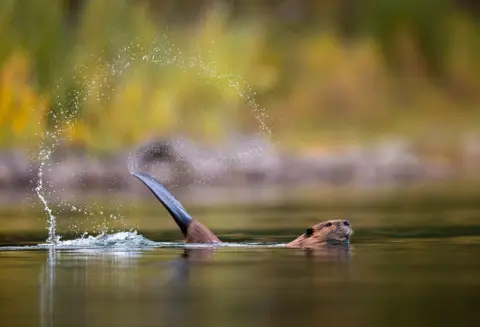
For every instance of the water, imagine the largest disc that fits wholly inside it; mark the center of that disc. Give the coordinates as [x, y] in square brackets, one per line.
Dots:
[394, 282]
[407, 266]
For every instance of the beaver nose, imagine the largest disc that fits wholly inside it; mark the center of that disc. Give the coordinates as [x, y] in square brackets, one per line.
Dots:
[346, 223]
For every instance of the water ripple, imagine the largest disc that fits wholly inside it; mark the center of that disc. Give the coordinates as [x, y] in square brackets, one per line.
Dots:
[128, 240]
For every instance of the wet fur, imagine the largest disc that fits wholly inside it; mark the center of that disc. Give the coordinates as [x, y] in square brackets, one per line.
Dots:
[331, 232]
[328, 232]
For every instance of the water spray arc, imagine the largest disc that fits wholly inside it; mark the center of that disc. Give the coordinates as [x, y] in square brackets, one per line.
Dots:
[162, 53]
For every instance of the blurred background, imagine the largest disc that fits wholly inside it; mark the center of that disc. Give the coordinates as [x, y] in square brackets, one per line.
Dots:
[264, 96]
[264, 117]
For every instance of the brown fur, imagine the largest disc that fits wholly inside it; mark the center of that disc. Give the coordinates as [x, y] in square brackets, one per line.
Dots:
[197, 233]
[331, 231]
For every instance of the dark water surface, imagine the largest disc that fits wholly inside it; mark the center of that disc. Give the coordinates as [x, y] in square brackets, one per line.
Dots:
[392, 282]
[412, 262]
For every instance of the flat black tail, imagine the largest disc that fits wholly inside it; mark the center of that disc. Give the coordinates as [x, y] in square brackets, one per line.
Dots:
[174, 207]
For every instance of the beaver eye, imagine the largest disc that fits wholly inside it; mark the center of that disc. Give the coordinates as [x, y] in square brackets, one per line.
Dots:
[346, 223]
[309, 232]
[328, 224]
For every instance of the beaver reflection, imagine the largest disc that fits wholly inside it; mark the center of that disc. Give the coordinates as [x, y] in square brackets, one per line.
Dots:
[332, 232]
[326, 253]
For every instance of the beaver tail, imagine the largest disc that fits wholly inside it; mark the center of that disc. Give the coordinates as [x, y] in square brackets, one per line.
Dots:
[193, 231]
[174, 207]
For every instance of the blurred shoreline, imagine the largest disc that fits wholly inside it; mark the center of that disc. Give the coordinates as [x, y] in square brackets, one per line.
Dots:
[181, 164]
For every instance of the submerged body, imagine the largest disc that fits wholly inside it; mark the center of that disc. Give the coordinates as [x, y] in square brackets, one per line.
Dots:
[328, 232]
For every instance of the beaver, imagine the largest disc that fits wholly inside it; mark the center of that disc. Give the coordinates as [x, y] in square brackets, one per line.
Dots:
[328, 232]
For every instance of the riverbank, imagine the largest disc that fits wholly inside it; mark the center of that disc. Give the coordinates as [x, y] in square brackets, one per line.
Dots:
[242, 163]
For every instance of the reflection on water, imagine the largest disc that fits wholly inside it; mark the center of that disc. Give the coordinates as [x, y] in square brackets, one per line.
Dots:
[47, 286]
[414, 283]
[404, 268]
[70, 279]
[89, 286]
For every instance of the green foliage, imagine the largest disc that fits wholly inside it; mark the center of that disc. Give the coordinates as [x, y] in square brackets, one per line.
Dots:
[349, 71]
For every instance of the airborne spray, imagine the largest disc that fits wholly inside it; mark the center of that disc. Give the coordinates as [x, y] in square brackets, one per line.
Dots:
[162, 54]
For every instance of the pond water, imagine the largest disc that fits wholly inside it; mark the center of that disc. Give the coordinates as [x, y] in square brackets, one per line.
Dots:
[388, 283]
[407, 271]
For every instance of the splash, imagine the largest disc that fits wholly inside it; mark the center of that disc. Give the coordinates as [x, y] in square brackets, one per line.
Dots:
[162, 53]
[49, 143]
[46, 191]
[116, 240]
[40, 190]
[216, 162]
[132, 241]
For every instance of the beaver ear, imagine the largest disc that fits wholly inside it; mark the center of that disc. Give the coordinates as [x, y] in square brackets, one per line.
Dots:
[309, 232]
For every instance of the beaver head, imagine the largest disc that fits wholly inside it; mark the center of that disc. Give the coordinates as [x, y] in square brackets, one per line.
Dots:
[328, 232]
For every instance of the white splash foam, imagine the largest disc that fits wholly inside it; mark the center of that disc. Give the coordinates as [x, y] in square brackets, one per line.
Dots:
[116, 240]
